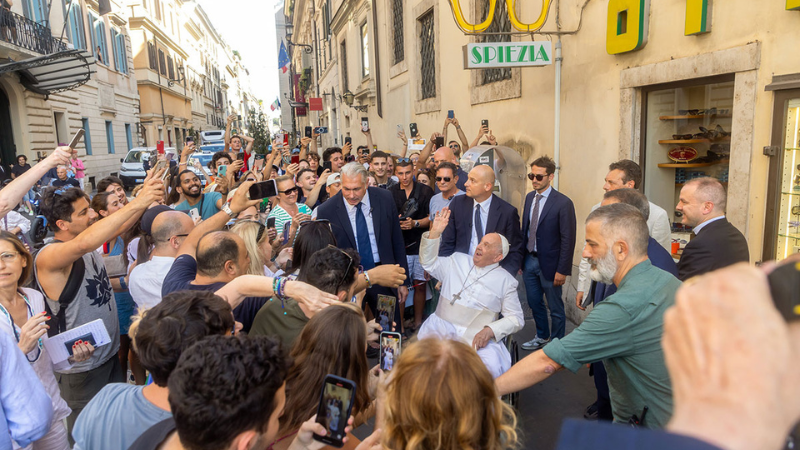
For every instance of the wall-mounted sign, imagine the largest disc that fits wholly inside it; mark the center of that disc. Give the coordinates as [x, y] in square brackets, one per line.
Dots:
[315, 103]
[475, 28]
[626, 27]
[698, 17]
[793, 4]
[485, 55]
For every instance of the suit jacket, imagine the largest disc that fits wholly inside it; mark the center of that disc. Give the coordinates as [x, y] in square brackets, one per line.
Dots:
[389, 237]
[718, 245]
[503, 219]
[555, 234]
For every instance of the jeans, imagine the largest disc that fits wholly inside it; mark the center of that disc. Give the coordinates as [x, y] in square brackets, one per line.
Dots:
[536, 286]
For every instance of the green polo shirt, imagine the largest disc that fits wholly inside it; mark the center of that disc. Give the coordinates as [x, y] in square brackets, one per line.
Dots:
[624, 331]
[285, 322]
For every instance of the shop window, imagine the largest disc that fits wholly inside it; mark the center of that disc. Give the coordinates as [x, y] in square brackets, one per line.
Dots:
[427, 55]
[788, 239]
[686, 135]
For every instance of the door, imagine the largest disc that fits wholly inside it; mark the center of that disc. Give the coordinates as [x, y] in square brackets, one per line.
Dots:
[782, 227]
[7, 148]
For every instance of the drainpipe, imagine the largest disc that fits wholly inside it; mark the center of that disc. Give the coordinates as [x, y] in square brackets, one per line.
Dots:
[557, 132]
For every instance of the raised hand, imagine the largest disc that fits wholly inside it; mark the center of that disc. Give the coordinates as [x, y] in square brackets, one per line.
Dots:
[241, 200]
[439, 223]
[59, 157]
[310, 297]
[387, 275]
[153, 191]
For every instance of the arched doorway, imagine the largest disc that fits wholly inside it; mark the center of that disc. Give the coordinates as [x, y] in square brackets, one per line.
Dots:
[7, 148]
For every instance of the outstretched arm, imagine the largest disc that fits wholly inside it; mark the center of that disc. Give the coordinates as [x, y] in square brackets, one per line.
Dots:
[230, 120]
[12, 194]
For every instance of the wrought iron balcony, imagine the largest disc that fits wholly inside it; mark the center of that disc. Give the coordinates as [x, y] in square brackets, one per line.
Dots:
[25, 33]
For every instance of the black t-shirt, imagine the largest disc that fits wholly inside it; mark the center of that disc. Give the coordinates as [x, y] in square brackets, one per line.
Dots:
[69, 182]
[184, 271]
[422, 194]
[19, 170]
[154, 436]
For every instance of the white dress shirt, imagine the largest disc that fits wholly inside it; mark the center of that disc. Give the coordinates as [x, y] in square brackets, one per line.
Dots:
[542, 201]
[485, 205]
[366, 208]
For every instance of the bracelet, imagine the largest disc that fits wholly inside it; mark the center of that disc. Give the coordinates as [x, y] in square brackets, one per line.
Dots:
[122, 283]
[369, 283]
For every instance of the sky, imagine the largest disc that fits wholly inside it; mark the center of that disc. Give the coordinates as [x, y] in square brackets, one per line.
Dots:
[249, 27]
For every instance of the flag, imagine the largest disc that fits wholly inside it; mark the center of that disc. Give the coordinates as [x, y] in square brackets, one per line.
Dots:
[275, 105]
[104, 7]
[283, 58]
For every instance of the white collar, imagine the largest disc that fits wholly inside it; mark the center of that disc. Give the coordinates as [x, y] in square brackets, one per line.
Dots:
[547, 192]
[484, 204]
[699, 227]
[364, 201]
[485, 270]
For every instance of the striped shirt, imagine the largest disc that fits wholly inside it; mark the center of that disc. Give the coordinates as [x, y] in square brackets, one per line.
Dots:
[281, 216]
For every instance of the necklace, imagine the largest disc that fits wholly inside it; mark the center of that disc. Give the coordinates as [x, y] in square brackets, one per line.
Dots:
[14, 326]
[463, 288]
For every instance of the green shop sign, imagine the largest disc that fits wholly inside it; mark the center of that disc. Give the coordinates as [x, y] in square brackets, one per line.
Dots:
[507, 54]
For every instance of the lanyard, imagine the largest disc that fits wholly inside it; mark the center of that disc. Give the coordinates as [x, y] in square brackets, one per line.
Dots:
[14, 326]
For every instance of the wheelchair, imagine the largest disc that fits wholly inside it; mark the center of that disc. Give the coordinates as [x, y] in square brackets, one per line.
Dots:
[513, 349]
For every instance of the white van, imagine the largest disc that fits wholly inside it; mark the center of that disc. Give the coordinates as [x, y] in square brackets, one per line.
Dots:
[212, 137]
[132, 171]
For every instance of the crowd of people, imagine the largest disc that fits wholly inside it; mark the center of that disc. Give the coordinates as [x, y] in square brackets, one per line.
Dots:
[227, 314]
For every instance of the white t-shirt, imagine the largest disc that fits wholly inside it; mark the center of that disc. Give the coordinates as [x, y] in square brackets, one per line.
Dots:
[146, 280]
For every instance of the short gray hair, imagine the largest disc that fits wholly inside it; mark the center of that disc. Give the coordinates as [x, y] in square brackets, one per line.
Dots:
[621, 222]
[631, 197]
[710, 190]
[355, 169]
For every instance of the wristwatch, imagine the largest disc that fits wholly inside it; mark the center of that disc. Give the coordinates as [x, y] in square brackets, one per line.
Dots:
[227, 209]
[416, 224]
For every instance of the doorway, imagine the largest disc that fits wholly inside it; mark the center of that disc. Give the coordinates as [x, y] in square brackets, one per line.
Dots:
[7, 148]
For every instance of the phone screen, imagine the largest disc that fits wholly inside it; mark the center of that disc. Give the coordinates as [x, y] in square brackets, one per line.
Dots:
[327, 166]
[335, 406]
[240, 156]
[285, 138]
[385, 316]
[364, 124]
[450, 114]
[390, 350]
[348, 140]
[295, 159]
[439, 142]
[271, 222]
[263, 189]
[308, 132]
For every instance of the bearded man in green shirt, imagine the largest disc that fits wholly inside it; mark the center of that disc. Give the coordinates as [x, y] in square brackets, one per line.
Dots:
[624, 331]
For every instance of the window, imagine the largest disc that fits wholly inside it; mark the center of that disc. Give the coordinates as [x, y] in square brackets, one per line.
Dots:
[397, 35]
[170, 68]
[110, 136]
[364, 51]
[99, 39]
[158, 9]
[151, 53]
[60, 121]
[427, 56]
[500, 24]
[343, 60]
[120, 54]
[87, 137]
[35, 10]
[75, 20]
[128, 135]
[162, 63]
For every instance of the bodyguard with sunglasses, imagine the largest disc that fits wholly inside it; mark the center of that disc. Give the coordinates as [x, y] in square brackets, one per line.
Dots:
[548, 229]
[446, 182]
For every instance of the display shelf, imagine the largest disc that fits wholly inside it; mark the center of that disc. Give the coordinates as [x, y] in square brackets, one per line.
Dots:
[793, 149]
[791, 193]
[700, 116]
[680, 185]
[690, 165]
[693, 141]
[790, 236]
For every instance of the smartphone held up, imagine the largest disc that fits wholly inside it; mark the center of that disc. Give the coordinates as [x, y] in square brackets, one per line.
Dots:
[335, 406]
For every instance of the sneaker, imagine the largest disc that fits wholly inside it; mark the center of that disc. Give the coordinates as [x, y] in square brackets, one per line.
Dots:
[535, 343]
[591, 412]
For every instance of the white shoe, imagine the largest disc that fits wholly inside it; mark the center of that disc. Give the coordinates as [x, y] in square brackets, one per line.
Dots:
[535, 343]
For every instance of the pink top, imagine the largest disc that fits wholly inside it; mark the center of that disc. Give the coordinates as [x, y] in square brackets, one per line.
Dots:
[77, 164]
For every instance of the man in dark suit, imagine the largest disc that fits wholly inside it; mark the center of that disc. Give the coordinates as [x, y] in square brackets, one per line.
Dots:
[548, 227]
[715, 242]
[479, 213]
[366, 219]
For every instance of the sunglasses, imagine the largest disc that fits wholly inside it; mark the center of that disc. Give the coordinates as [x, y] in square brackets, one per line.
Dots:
[403, 160]
[289, 191]
[445, 179]
[537, 177]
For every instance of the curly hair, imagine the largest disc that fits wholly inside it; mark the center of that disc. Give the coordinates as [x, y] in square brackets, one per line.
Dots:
[58, 206]
[442, 396]
[224, 386]
[334, 342]
[182, 318]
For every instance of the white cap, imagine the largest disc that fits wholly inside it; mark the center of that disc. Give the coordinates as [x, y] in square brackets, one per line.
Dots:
[334, 178]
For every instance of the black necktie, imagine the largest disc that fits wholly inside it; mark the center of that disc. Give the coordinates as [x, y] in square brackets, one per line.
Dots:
[478, 223]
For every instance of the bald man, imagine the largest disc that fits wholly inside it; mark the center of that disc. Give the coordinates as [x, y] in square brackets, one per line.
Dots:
[479, 213]
[475, 292]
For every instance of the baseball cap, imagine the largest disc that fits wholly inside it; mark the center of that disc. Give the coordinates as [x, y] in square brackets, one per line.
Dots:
[333, 179]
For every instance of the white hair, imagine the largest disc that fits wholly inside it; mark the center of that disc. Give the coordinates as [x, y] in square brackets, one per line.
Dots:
[355, 169]
[504, 247]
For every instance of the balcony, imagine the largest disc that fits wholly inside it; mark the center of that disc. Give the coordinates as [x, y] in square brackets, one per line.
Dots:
[27, 34]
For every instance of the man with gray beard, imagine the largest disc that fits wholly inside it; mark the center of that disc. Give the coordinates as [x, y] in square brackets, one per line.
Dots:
[624, 331]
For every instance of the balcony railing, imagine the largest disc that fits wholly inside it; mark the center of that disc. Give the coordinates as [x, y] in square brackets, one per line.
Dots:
[25, 33]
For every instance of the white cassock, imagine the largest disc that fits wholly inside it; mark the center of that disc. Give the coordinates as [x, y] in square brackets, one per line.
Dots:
[486, 293]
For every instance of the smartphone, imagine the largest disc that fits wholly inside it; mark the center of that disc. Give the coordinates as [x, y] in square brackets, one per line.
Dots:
[271, 222]
[783, 282]
[485, 123]
[439, 142]
[308, 132]
[364, 124]
[160, 147]
[364, 151]
[260, 156]
[335, 406]
[451, 114]
[413, 128]
[77, 138]
[263, 189]
[349, 158]
[159, 165]
[189, 139]
[166, 174]
[169, 155]
[385, 316]
[295, 159]
[285, 139]
[239, 117]
[195, 215]
[348, 140]
[240, 156]
[222, 170]
[390, 349]
[321, 130]
[399, 129]
[327, 166]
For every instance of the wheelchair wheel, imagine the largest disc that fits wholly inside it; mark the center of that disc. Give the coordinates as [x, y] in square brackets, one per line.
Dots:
[511, 344]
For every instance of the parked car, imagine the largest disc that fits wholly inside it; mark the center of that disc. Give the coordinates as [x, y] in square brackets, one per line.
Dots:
[132, 171]
[212, 137]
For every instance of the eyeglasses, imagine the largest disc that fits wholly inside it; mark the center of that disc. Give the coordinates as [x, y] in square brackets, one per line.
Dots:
[7, 257]
[538, 177]
[445, 179]
[289, 191]
[403, 160]
[168, 239]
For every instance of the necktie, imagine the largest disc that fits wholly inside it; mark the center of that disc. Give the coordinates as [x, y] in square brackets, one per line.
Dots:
[534, 224]
[478, 223]
[362, 237]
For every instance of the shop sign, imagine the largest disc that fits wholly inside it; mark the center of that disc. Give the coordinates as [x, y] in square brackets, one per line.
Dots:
[793, 5]
[475, 28]
[485, 55]
[698, 17]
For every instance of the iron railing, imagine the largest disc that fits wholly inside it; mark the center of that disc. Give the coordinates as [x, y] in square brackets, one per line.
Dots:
[25, 33]
[427, 56]
[397, 35]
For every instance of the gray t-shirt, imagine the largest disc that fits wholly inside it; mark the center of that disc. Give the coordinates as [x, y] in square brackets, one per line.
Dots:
[115, 418]
[438, 202]
[95, 300]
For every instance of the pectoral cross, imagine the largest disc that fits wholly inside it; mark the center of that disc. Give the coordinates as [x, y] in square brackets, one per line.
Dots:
[456, 298]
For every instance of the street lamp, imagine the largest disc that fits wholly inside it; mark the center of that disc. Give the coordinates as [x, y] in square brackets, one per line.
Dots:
[348, 98]
[289, 29]
[180, 79]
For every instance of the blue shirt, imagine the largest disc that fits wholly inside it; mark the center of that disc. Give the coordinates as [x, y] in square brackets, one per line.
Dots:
[207, 206]
[25, 408]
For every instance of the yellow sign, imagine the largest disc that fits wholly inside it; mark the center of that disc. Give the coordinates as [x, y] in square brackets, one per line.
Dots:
[471, 28]
[793, 4]
[698, 17]
[627, 25]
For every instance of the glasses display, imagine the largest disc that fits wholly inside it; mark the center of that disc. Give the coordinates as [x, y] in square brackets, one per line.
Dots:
[788, 235]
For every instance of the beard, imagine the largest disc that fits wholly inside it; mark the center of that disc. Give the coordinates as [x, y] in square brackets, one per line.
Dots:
[603, 269]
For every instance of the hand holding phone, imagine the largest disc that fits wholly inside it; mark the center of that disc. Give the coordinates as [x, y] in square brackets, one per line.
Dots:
[327, 166]
[412, 127]
[263, 189]
[364, 124]
[390, 347]
[222, 170]
[335, 406]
